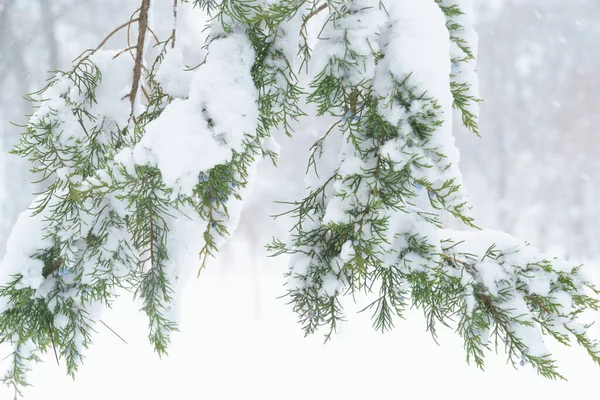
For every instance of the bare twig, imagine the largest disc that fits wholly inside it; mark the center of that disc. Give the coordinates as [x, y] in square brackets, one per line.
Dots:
[123, 51]
[103, 42]
[129, 33]
[145, 94]
[139, 55]
[116, 334]
[155, 36]
[53, 344]
[174, 34]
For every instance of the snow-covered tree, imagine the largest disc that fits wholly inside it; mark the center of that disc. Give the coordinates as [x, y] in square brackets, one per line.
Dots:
[147, 161]
[36, 33]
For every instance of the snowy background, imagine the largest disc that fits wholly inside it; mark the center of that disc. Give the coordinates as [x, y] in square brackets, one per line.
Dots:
[532, 174]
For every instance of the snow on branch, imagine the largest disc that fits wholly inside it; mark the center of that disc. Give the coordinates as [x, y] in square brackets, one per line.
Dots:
[137, 188]
[380, 179]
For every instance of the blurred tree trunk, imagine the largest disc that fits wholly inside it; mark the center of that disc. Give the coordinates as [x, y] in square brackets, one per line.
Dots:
[14, 76]
[49, 26]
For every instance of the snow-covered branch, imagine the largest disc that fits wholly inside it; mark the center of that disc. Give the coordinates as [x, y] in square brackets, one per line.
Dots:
[135, 191]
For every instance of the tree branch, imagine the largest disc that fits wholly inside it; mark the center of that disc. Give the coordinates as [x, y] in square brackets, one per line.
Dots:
[312, 14]
[53, 344]
[139, 55]
[129, 33]
[155, 36]
[174, 34]
[103, 42]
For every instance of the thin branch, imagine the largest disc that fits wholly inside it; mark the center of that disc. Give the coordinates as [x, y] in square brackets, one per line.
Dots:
[174, 34]
[312, 14]
[103, 42]
[139, 55]
[57, 263]
[116, 334]
[146, 94]
[123, 51]
[533, 299]
[53, 344]
[129, 33]
[155, 36]
[152, 263]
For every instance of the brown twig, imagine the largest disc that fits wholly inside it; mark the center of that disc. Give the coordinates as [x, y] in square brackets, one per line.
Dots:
[451, 259]
[53, 344]
[129, 33]
[145, 94]
[123, 51]
[139, 55]
[103, 42]
[533, 299]
[55, 265]
[151, 244]
[312, 14]
[174, 34]
[154, 35]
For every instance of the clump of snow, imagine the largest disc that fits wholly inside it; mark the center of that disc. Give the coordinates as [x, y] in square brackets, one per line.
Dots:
[348, 251]
[412, 27]
[517, 276]
[181, 144]
[198, 133]
[271, 145]
[24, 243]
[330, 285]
[360, 26]
[172, 76]
[115, 84]
[60, 321]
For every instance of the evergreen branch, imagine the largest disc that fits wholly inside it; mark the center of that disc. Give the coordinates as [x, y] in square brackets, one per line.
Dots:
[369, 224]
[310, 15]
[51, 334]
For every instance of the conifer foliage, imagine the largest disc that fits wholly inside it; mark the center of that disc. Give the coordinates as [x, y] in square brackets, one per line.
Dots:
[145, 164]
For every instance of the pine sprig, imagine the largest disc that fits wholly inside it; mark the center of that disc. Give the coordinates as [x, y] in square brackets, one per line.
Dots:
[465, 99]
[369, 225]
[107, 220]
[380, 180]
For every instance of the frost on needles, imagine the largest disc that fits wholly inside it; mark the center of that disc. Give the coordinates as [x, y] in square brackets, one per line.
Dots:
[145, 166]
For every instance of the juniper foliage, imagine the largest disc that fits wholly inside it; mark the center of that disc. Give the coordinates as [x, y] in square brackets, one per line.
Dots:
[370, 223]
